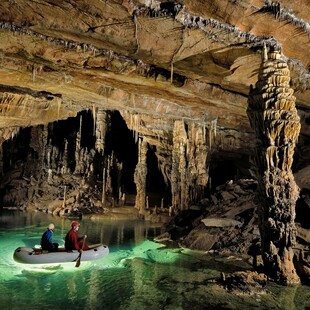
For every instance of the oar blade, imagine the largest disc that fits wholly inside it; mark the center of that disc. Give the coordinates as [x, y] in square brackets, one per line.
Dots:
[78, 262]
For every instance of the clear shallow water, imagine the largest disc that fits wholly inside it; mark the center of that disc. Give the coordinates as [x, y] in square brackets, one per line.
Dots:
[137, 274]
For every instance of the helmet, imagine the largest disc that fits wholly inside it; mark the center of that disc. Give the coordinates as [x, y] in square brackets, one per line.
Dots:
[73, 224]
[51, 226]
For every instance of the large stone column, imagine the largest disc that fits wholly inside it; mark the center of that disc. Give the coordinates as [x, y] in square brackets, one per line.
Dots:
[189, 171]
[179, 167]
[273, 116]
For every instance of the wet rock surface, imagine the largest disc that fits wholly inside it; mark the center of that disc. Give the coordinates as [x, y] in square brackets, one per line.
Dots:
[239, 283]
[241, 240]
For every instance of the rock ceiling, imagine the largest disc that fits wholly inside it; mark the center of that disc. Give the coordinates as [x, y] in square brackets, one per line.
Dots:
[192, 60]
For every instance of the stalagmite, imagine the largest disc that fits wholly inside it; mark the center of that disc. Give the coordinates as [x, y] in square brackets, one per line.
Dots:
[64, 198]
[78, 143]
[175, 172]
[103, 199]
[44, 141]
[140, 175]
[49, 176]
[108, 181]
[189, 171]
[274, 118]
[65, 164]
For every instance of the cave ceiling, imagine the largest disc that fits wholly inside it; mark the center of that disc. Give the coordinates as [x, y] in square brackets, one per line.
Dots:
[193, 60]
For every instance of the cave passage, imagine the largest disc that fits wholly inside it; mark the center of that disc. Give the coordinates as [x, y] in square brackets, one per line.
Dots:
[158, 192]
[120, 140]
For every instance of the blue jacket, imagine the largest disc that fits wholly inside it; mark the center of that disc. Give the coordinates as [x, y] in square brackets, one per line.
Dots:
[47, 241]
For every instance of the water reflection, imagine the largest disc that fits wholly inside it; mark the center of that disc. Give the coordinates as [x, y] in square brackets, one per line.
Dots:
[137, 274]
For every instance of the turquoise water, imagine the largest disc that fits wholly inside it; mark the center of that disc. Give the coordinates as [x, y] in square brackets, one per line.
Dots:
[137, 274]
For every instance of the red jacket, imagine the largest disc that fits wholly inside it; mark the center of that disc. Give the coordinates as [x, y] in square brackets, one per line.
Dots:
[72, 240]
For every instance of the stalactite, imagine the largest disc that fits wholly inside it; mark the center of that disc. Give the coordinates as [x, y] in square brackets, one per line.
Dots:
[189, 171]
[273, 116]
[102, 122]
[58, 106]
[94, 119]
[136, 126]
[179, 14]
[65, 165]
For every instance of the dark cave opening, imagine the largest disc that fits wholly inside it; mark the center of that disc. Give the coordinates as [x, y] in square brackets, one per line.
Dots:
[227, 167]
[119, 140]
[156, 188]
[68, 129]
[221, 171]
[16, 150]
[59, 132]
[303, 209]
[88, 137]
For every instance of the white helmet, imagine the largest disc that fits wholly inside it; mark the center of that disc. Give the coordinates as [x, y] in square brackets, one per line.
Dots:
[51, 226]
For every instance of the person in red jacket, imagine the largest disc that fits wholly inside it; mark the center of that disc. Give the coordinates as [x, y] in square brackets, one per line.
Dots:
[73, 241]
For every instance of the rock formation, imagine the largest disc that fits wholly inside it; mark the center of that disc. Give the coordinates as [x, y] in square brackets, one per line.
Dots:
[274, 118]
[144, 103]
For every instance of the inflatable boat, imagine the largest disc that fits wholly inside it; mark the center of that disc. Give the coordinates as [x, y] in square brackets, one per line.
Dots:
[26, 255]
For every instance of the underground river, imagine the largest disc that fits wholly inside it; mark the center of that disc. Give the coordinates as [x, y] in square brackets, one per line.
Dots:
[137, 274]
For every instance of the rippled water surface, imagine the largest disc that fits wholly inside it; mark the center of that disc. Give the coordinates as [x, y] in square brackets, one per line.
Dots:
[137, 274]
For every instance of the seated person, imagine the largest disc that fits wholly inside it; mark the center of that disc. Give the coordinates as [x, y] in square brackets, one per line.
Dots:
[73, 241]
[47, 243]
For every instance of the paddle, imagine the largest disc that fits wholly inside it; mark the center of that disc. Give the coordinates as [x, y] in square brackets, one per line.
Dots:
[78, 261]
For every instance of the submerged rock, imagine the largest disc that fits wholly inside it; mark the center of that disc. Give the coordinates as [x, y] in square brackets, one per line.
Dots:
[244, 282]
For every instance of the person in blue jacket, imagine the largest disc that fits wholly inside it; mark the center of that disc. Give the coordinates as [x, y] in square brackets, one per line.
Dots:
[47, 243]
